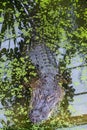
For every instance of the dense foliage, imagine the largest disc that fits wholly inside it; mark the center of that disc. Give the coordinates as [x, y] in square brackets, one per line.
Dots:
[58, 24]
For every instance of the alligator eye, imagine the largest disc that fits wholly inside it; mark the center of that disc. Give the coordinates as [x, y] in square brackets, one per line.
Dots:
[37, 65]
[45, 76]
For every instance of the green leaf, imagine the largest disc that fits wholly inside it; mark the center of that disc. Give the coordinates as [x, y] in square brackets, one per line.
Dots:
[1, 19]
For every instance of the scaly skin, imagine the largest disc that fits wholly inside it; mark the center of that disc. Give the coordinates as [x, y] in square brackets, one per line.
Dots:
[46, 93]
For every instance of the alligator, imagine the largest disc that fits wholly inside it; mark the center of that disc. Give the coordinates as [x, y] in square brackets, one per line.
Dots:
[46, 92]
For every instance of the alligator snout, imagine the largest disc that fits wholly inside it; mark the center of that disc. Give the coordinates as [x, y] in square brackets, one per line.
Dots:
[38, 115]
[34, 116]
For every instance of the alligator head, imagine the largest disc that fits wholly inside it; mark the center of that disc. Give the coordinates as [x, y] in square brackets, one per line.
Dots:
[45, 96]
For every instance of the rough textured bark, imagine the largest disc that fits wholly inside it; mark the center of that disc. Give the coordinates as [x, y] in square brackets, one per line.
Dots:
[46, 93]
